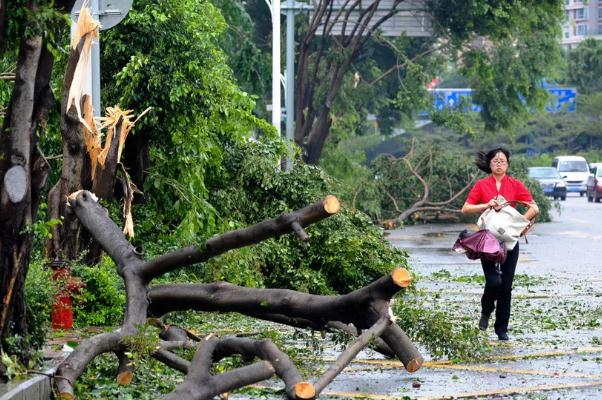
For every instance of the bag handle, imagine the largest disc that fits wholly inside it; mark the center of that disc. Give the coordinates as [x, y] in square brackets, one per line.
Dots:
[527, 229]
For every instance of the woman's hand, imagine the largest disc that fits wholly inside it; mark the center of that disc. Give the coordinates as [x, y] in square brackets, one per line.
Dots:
[468, 209]
[493, 204]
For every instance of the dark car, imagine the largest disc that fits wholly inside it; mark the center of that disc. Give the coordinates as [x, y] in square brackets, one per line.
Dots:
[594, 185]
[550, 181]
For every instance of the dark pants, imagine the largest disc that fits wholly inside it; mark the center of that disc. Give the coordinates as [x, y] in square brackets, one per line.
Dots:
[498, 288]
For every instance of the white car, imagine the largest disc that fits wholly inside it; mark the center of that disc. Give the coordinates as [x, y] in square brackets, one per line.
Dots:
[575, 172]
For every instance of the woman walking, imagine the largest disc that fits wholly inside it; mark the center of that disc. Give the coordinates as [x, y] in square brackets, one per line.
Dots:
[491, 192]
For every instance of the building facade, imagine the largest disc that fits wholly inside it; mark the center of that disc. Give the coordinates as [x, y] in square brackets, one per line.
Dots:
[583, 20]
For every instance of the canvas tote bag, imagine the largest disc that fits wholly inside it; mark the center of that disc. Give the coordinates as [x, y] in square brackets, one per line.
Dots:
[505, 224]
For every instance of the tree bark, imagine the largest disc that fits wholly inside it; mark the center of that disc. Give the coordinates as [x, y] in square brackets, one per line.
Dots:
[286, 223]
[136, 158]
[23, 175]
[66, 240]
[3, 5]
[85, 164]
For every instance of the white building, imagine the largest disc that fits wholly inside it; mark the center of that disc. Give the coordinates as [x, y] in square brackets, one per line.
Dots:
[583, 21]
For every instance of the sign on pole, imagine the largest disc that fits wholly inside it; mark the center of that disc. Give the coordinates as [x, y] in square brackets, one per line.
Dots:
[560, 99]
[110, 12]
[410, 17]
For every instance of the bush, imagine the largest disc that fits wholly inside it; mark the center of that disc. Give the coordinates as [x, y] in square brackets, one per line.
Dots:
[344, 252]
[39, 297]
[102, 301]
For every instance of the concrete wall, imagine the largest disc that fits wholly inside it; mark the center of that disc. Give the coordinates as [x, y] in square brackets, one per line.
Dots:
[37, 387]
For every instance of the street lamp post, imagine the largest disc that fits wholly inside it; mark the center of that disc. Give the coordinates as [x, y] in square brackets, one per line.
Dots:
[290, 80]
[276, 107]
[291, 9]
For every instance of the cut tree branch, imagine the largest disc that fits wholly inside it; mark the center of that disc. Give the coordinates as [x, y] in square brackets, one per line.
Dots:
[242, 237]
[367, 309]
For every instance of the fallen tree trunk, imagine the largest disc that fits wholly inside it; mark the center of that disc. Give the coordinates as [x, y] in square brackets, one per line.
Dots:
[367, 308]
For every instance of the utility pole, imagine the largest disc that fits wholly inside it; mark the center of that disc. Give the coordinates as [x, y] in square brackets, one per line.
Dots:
[290, 81]
[276, 106]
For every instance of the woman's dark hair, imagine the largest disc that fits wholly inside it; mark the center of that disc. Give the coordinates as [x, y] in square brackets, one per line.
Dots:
[484, 158]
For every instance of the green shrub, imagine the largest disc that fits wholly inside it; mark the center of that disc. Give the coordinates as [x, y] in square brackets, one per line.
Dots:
[39, 297]
[344, 252]
[102, 301]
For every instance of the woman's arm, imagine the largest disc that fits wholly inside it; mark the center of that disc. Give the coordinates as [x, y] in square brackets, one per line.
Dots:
[532, 210]
[530, 215]
[468, 208]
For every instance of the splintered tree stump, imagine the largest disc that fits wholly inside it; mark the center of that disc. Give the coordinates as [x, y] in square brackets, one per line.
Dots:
[364, 313]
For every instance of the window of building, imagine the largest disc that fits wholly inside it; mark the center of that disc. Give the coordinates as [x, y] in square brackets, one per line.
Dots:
[581, 13]
[567, 2]
[600, 12]
[582, 29]
[566, 34]
[599, 29]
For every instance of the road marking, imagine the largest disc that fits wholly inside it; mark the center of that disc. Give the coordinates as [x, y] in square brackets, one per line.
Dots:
[335, 393]
[520, 296]
[359, 395]
[512, 390]
[398, 364]
[505, 370]
[566, 352]
[513, 371]
[446, 364]
[482, 393]
[579, 234]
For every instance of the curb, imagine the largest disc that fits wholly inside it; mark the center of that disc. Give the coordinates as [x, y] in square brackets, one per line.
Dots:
[36, 388]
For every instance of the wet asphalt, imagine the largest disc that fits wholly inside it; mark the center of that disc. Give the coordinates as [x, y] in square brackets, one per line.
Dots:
[555, 351]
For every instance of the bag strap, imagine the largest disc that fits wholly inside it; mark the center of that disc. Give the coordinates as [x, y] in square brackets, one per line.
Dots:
[527, 229]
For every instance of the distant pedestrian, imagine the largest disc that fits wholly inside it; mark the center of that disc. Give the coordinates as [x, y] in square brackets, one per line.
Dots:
[490, 192]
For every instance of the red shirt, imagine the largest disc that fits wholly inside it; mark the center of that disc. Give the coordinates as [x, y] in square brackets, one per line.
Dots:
[511, 189]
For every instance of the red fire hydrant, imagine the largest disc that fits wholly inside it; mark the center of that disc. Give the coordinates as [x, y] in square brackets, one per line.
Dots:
[67, 286]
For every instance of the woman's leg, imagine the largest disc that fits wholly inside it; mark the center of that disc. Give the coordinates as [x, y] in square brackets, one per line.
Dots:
[502, 313]
[493, 282]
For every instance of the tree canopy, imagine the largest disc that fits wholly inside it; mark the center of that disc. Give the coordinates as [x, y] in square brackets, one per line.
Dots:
[504, 49]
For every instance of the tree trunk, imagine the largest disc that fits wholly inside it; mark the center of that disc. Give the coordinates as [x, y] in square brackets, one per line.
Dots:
[136, 157]
[323, 63]
[65, 242]
[85, 164]
[3, 5]
[23, 175]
